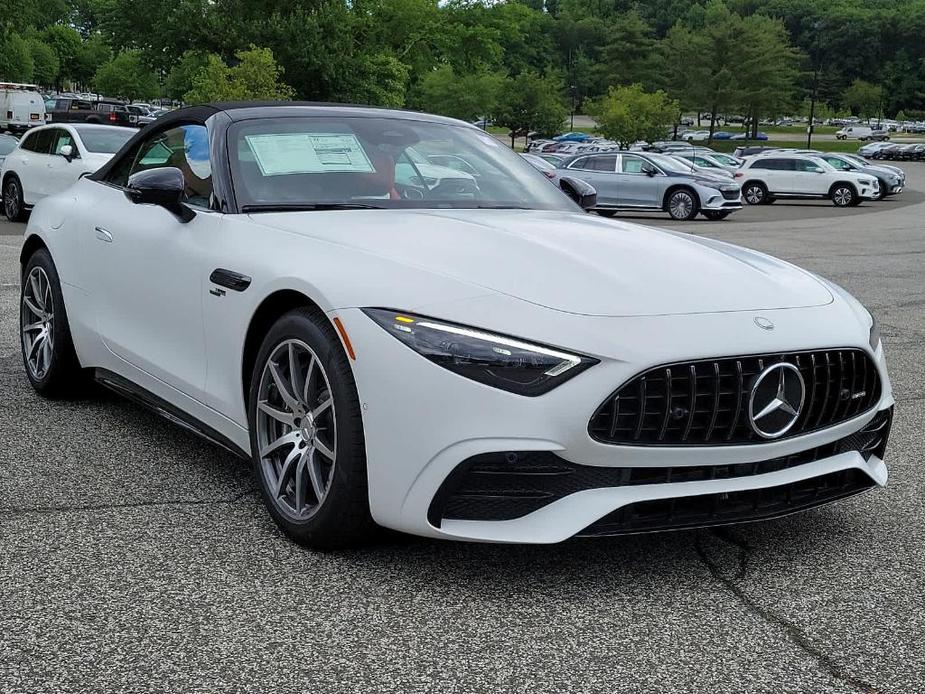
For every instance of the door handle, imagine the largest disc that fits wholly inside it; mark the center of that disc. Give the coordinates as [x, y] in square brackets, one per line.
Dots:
[230, 279]
[103, 235]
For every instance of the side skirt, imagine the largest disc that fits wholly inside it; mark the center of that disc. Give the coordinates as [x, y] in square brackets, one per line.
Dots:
[140, 396]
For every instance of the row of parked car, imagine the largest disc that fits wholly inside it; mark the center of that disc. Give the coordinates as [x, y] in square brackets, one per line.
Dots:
[894, 152]
[678, 178]
[686, 181]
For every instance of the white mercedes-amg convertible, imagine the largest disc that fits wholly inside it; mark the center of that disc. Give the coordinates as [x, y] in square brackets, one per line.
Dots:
[464, 356]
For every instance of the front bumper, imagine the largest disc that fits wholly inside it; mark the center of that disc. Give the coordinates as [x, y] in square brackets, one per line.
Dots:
[422, 421]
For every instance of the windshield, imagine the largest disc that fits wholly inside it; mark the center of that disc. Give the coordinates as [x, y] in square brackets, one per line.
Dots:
[670, 163]
[380, 162]
[104, 140]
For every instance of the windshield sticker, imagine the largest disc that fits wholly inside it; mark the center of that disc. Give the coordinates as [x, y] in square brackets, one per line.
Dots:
[295, 153]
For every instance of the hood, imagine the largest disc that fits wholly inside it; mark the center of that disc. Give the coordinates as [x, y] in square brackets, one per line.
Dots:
[577, 263]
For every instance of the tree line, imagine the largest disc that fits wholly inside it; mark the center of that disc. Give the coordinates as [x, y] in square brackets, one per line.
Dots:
[525, 63]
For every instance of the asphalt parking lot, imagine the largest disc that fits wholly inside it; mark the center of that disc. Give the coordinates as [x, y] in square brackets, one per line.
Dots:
[135, 558]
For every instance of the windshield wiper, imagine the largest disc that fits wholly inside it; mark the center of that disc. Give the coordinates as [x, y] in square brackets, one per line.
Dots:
[309, 207]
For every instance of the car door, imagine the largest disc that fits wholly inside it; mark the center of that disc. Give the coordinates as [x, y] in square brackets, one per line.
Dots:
[30, 163]
[637, 182]
[150, 269]
[809, 177]
[600, 171]
[59, 172]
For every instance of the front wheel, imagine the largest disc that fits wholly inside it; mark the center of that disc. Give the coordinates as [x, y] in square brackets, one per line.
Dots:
[881, 194]
[45, 335]
[715, 215]
[683, 205]
[843, 195]
[14, 207]
[306, 431]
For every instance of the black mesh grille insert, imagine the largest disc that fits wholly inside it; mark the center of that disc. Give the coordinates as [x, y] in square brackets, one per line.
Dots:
[503, 486]
[732, 507]
[705, 403]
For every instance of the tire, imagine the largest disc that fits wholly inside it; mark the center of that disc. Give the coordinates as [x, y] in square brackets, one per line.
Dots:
[14, 207]
[607, 213]
[883, 188]
[715, 215]
[682, 204]
[844, 195]
[48, 352]
[755, 193]
[324, 498]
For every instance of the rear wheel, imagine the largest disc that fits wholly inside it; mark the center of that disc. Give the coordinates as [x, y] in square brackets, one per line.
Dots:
[683, 205]
[307, 434]
[844, 195]
[715, 215]
[755, 193]
[45, 335]
[13, 205]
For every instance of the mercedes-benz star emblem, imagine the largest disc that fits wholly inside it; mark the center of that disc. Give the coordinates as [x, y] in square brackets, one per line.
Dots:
[776, 400]
[764, 323]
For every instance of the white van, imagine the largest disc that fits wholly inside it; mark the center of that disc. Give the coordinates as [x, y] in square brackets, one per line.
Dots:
[21, 107]
[861, 132]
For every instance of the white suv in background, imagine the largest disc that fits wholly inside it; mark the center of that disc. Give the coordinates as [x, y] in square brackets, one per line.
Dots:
[51, 158]
[767, 177]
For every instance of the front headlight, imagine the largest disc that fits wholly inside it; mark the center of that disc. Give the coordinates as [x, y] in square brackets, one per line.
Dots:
[495, 360]
[874, 333]
[866, 182]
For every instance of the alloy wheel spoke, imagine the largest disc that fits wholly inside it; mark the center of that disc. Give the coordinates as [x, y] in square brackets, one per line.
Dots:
[286, 471]
[323, 407]
[37, 295]
[288, 439]
[299, 495]
[290, 401]
[32, 306]
[294, 371]
[322, 448]
[33, 326]
[314, 473]
[46, 353]
[308, 379]
[279, 415]
[34, 347]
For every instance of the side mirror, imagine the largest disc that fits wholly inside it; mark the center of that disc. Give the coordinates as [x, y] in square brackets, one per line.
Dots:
[67, 151]
[579, 191]
[164, 187]
[649, 172]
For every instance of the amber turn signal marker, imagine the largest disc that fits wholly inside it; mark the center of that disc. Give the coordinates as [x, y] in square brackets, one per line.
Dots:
[346, 338]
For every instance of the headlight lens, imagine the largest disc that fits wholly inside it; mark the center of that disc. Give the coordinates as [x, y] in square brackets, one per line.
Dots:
[874, 333]
[495, 360]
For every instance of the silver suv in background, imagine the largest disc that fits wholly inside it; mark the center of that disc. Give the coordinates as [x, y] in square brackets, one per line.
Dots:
[643, 181]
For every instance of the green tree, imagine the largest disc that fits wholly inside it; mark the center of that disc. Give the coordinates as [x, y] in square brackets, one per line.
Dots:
[628, 114]
[530, 103]
[180, 78]
[629, 55]
[45, 62]
[126, 76]
[15, 58]
[467, 96]
[94, 51]
[863, 98]
[66, 42]
[379, 80]
[767, 69]
[255, 77]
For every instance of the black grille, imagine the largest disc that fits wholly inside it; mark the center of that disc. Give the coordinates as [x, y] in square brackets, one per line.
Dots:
[731, 507]
[503, 486]
[706, 402]
[731, 194]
